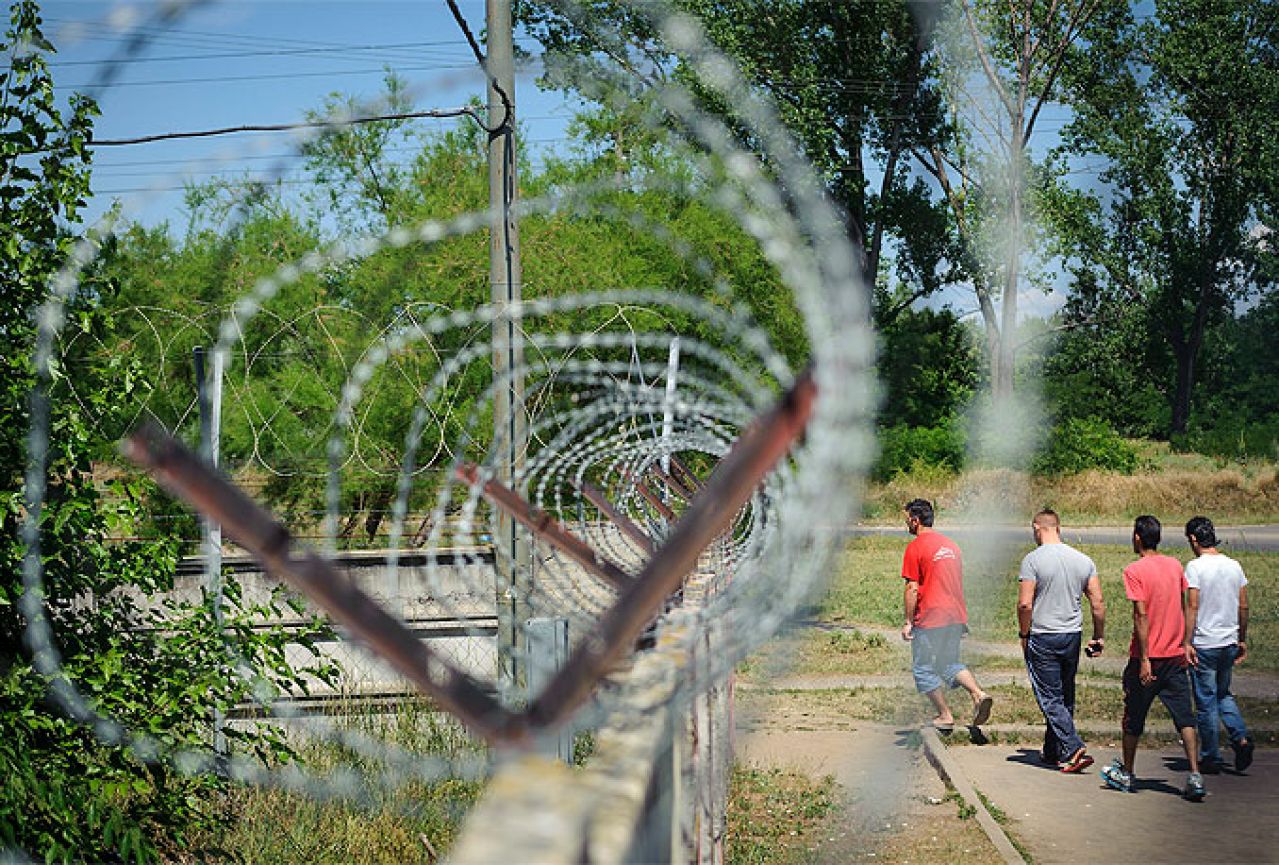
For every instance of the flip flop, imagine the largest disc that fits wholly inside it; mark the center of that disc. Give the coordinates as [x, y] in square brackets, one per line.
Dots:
[944, 729]
[1077, 763]
[981, 712]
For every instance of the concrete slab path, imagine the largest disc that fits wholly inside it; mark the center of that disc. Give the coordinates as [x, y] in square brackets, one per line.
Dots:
[1075, 819]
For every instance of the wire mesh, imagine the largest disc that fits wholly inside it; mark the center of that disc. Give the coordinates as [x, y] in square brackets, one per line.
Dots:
[605, 407]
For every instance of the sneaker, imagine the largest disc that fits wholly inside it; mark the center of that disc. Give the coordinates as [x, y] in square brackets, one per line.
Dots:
[1194, 791]
[1243, 755]
[1209, 766]
[1116, 778]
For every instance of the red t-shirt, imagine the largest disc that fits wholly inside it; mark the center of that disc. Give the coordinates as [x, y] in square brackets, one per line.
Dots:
[1159, 581]
[933, 561]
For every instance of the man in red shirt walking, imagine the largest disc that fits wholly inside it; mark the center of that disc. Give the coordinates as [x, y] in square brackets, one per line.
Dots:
[936, 617]
[1159, 656]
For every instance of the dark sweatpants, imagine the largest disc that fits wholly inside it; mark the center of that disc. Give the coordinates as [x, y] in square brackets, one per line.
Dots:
[1053, 660]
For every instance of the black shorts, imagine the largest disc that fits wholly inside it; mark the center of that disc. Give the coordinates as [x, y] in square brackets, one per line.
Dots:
[1171, 686]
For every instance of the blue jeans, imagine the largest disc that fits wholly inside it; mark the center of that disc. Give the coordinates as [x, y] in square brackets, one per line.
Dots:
[1214, 702]
[935, 657]
[1052, 661]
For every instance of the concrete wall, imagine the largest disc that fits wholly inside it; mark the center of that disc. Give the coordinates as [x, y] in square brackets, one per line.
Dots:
[655, 789]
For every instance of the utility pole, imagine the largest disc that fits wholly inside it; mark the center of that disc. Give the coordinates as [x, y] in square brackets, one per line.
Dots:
[208, 388]
[512, 559]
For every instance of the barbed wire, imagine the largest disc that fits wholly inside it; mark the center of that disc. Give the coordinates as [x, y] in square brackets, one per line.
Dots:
[621, 437]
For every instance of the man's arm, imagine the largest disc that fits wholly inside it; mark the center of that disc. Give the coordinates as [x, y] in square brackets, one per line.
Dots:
[1141, 634]
[1190, 608]
[911, 602]
[1025, 609]
[1098, 604]
[1243, 624]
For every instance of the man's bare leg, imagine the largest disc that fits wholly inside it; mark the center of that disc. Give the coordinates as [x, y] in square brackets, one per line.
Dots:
[965, 679]
[1190, 741]
[1130, 751]
[937, 697]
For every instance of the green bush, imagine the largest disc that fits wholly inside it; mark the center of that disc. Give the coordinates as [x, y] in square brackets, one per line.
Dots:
[905, 448]
[1079, 444]
[1234, 436]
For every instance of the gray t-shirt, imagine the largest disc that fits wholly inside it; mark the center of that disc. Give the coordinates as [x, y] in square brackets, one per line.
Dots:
[1060, 573]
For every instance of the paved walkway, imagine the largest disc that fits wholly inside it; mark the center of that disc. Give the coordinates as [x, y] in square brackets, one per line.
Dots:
[1076, 819]
[1056, 818]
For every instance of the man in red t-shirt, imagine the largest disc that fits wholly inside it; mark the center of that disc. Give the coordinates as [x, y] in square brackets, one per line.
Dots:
[936, 617]
[1159, 656]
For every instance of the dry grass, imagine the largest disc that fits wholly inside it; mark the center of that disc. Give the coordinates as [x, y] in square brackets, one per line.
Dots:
[1246, 493]
[417, 821]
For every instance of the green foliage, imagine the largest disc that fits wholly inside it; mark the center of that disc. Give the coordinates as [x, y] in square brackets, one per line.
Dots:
[155, 664]
[1234, 435]
[928, 367]
[860, 139]
[1100, 369]
[1080, 444]
[905, 448]
[1181, 107]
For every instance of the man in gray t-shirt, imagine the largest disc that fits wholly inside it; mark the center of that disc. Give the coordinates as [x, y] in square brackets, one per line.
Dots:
[1052, 580]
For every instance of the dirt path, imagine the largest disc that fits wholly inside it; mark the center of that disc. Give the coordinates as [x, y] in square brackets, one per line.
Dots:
[891, 798]
[882, 782]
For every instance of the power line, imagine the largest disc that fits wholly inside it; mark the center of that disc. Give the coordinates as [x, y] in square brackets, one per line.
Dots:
[507, 108]
[225, 79]
[276, 52]
[285, 127]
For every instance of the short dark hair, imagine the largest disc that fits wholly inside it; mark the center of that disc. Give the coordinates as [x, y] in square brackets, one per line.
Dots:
[1201, 529]
[1148, 531]
[1048, 519]
[922, 510]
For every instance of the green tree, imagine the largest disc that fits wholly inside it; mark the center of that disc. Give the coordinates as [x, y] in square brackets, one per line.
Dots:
[1018, 49]
[1183, 107]
[855, 83]
[153, 664]
[928, 366]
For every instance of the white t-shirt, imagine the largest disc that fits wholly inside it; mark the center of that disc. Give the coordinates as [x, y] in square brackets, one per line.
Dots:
[1218, 579]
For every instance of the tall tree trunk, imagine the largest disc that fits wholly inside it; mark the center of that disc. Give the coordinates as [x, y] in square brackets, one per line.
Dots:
[1185, 350]
[1185, 357]
[1005, 359]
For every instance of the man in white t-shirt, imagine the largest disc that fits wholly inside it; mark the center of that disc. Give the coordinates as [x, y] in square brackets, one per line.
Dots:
[1218, 616]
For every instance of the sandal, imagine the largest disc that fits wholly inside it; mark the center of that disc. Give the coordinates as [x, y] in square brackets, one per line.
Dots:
[944, 729]
[981, 712]
[1077, 763]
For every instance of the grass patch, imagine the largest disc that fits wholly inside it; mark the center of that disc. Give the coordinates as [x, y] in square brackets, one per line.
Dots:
[776, 816]
[1096, 705]
[411, 821]
[867, 589]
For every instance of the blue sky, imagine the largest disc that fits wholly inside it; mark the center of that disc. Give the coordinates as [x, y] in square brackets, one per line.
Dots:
[242, 62]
